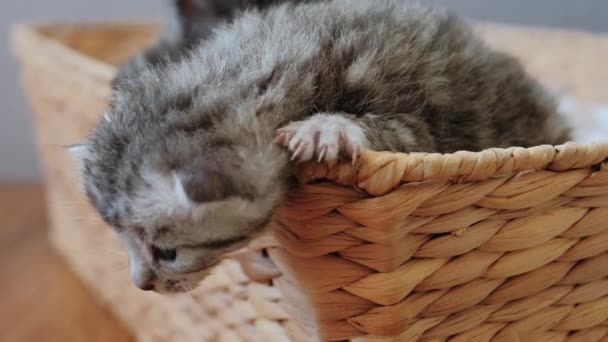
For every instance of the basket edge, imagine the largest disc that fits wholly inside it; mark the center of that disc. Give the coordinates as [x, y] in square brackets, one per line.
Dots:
[379, 172]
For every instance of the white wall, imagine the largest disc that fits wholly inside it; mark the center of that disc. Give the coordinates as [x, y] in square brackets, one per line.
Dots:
[17, 157]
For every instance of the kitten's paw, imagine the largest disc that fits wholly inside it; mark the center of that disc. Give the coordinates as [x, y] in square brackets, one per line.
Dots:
[323, 137]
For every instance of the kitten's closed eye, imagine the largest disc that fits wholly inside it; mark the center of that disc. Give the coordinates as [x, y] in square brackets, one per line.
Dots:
[164, 254]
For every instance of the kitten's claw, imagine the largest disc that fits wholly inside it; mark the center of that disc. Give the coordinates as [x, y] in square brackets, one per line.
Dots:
[322, 154]
[297, 151]
[324, 136]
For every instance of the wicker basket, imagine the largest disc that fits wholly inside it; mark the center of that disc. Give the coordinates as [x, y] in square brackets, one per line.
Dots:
[502, 245]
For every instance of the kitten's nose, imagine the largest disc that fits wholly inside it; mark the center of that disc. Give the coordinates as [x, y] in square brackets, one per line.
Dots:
[145, 280]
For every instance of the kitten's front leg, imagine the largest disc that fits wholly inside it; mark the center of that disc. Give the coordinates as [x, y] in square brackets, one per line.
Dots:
[324, 137]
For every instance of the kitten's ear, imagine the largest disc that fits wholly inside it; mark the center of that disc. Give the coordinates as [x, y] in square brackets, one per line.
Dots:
[203, 181]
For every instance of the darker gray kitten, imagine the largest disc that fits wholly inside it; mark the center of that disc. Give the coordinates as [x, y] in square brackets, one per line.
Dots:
[184, 165]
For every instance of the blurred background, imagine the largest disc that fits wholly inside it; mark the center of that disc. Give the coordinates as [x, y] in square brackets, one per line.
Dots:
[41, 299]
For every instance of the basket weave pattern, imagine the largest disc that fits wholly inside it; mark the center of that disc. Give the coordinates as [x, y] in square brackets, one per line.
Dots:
[501, 245]
[523, 254]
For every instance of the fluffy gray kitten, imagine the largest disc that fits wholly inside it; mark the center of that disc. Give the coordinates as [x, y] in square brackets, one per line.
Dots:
[194, 155]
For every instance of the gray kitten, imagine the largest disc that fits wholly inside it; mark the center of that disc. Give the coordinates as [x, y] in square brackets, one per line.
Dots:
[184, 166]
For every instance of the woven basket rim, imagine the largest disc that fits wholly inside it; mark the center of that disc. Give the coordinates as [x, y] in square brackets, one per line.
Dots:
[379, 172]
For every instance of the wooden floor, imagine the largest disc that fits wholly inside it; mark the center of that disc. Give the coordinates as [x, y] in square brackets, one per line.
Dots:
[40, 299]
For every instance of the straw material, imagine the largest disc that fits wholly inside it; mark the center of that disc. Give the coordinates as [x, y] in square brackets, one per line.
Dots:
[440, 245]
[500, 245]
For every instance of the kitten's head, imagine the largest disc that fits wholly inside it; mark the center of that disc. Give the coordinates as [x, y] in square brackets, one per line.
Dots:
[180, 194]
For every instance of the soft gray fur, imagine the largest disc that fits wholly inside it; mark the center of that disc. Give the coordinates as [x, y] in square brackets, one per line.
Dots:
[191, 22]
[184, 164]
